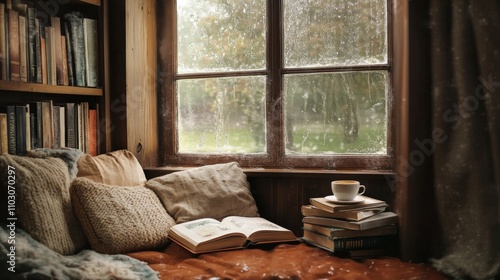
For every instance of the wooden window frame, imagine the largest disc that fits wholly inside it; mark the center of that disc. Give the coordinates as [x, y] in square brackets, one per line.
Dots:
[275, 157]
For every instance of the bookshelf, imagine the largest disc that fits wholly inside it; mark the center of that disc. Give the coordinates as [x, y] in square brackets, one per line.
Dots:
[14, 92]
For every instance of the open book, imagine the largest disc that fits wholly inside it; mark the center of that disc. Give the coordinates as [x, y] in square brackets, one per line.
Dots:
[233, 232]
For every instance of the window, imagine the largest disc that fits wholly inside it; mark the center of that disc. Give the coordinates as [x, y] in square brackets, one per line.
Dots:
[290, 83]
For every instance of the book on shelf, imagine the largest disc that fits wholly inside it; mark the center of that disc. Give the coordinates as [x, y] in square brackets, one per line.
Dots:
[47, 124]
[32, 44]
[344, 244]
[43, 124]
[77, 45]
[382, 219]
[334, 232]
[4, 140]
[13, 45]
[23, 49]
[366, 203]
[56, 117]
[11, 129]
[233, 232]
[55, 23]
[90, 40]
[3, 43]
[354, 215]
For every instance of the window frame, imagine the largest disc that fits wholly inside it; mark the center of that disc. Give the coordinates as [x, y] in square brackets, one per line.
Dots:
[274, 72]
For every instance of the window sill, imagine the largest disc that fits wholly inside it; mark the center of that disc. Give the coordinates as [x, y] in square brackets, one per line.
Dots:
[276, 172]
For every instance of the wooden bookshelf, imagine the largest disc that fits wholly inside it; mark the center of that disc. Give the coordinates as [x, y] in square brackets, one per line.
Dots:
[13, 92]
[9, 86]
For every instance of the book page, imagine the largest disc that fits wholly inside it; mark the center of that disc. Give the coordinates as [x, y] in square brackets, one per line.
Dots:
[250, 225]
[202, 230]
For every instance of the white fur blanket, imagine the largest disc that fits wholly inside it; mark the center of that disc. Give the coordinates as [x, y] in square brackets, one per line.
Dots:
[33, 260]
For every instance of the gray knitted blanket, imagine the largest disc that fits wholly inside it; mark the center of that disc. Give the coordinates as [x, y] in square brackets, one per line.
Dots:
[33, 260]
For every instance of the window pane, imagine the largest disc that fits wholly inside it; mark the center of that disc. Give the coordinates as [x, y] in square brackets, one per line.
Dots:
[221, 35]
[336, 113]
[335, 32]
[222, 115]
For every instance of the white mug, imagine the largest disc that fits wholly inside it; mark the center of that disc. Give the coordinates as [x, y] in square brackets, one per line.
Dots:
[345, 190]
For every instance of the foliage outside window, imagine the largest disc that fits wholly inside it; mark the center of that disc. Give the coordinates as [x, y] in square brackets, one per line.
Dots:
[291, 83]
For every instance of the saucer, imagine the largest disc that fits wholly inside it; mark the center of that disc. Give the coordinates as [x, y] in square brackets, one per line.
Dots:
[356, 200]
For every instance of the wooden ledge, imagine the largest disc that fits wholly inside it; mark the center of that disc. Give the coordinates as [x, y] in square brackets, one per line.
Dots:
[152, 172]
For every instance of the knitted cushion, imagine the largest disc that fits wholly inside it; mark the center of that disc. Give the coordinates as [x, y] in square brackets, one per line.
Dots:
[211, 191]
[120, 219]
[42, 201]
[118, 168]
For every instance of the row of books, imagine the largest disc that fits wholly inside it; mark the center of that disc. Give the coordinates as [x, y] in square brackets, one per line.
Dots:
[38, 48]
[42, 124]
[355, 230]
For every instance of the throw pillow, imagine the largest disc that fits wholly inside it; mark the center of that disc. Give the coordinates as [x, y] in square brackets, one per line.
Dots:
[214, 191]
[120, 219]
[38, 189]
[117, 168]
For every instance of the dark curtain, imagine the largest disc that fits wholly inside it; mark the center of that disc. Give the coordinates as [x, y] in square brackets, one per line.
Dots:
[465, 53]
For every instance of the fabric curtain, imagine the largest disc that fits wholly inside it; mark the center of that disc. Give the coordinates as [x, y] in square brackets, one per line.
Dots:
[465, 62]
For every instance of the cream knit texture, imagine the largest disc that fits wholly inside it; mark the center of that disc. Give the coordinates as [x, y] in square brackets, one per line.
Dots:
[43, 204]
[120, 219]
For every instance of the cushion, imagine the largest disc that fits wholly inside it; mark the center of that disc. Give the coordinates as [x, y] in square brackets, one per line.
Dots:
[70, 156]
[212, 191]
[117, 168]
[42, 201]
[120, 219]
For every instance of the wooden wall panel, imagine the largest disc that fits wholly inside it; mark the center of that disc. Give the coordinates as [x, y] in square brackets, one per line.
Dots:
[279, 195]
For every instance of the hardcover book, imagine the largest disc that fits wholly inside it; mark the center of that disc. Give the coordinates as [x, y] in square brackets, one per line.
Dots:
[344, 244]
[90, 38]
[4, 140]
[3, 44]
[366, 203]
[334, 232]
[77, 42]
[382, 219]
[14, 53]
[354, 215]
[233, 232]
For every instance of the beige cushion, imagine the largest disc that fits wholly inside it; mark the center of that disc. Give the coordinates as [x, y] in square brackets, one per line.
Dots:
[214, 191]
[42, 203]
[120, 219]
[118, 168]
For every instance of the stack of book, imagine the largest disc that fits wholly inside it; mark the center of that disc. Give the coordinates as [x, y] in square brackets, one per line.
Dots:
[352, 229]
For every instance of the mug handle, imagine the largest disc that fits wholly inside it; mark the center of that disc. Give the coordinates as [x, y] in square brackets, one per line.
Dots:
[363, 189]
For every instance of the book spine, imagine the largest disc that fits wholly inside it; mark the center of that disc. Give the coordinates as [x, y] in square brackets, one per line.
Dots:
[47, 125]
[38, 125]
[93, 132]
[4, 139]
[368, 242]
[38, 53]
[70, 125]
[20, 130]
[23, 49]
[11, 129]
[14, 54]
[57, 46]
[62, 126]
[57, 129]
[43, 52]
[90, 36]
[69, 55]
[32, 34]
[3, 44]
[75, 21]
